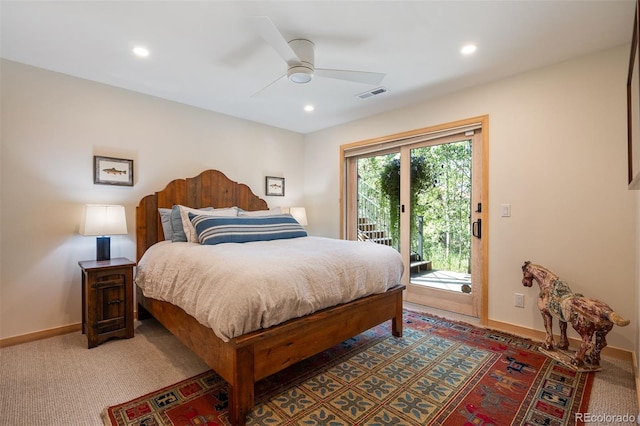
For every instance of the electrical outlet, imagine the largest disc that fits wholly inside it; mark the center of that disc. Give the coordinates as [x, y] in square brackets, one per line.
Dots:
[518, 300]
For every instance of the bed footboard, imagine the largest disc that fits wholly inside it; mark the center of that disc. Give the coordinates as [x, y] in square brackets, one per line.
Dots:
[248, 358]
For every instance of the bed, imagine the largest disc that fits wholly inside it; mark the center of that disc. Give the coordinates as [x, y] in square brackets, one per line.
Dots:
[244, 359]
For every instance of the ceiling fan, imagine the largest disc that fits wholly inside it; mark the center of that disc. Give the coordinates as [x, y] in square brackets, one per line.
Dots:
[299, 54]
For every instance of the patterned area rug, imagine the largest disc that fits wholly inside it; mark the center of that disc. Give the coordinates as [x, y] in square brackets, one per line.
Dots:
[440, 372]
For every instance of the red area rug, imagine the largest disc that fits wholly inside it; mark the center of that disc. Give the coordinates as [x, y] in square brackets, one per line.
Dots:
[440, 372]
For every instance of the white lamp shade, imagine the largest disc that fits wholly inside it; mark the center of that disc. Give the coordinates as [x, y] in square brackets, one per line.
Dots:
[299, 214]
[101, 219]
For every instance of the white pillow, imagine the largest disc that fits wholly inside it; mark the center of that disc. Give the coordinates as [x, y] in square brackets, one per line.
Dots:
[190, 231]
[271, 212]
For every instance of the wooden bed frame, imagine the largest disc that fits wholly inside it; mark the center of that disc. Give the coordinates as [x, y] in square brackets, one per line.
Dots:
[248, 358]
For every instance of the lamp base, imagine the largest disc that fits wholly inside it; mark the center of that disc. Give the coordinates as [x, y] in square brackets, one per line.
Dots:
[103, 248]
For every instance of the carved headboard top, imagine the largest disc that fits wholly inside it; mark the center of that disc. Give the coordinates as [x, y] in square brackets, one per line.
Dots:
[210, 188]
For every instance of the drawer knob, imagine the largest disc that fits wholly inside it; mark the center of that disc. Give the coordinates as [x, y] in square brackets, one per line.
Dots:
[114, 301]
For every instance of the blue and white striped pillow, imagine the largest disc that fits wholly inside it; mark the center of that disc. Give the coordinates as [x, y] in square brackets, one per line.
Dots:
[215, 230]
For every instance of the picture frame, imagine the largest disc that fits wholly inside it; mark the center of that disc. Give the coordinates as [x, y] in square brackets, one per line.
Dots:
[633, 106]
[112, 171]
[274, 186]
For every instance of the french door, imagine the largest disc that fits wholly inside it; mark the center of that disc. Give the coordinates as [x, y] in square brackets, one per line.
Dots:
[423, 193]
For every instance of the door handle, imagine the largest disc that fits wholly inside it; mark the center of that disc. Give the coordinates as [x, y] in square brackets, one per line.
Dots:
[476, 228]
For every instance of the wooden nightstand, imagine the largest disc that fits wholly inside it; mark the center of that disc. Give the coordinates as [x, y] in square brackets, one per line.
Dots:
[107, 299]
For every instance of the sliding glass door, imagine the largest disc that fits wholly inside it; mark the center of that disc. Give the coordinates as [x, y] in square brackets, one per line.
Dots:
[445, 224]
[423, 196]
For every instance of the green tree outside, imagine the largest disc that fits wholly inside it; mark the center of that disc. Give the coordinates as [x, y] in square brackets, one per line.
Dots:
[440, 195]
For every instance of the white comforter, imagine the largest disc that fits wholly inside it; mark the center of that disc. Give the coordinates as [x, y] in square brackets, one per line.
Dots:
[238, 288]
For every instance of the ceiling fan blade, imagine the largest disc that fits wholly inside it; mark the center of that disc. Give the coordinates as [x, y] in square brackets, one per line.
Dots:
[268, 31]
[363, 77]
[266, 88]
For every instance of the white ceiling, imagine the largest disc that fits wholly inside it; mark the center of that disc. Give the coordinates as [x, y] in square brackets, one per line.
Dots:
[207, 54]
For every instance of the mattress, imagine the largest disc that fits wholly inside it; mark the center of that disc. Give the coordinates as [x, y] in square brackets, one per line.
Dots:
[237, 288]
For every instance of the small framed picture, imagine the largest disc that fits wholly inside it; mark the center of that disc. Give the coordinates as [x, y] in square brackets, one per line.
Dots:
[112, 171]
[274, 186]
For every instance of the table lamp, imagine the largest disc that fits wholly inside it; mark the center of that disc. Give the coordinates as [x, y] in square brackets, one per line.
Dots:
[103, 220]
[299, 214]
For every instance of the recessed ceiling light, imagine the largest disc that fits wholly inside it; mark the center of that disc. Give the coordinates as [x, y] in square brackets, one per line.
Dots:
[468, 49]
[143, 52]
[309, 108]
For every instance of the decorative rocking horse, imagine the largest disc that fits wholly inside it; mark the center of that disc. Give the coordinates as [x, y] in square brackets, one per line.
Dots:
[587, 316]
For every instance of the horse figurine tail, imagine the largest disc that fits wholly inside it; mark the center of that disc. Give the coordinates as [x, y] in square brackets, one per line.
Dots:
[617, 319]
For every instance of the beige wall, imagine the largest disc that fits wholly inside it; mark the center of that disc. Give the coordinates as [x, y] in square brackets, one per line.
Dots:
[557, 154]
[52, 125]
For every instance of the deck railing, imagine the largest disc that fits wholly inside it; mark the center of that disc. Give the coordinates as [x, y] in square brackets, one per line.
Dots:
[370, 210]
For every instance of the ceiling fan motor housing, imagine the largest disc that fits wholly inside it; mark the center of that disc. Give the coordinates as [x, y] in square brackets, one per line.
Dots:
[302, 72]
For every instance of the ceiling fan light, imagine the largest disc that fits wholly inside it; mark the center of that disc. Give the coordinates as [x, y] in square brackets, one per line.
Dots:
[300, 74]
[468, 49]
[141, 51]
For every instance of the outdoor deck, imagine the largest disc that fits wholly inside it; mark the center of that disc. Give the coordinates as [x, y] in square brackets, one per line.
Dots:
[444, 280]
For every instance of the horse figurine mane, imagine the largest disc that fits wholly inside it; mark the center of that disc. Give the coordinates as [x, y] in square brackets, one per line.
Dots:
[588, 317]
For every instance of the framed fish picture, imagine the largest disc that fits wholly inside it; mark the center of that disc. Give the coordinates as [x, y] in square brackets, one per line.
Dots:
[274, 186]
[112, 171]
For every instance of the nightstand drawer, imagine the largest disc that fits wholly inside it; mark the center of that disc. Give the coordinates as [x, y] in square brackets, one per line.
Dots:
[109, 281]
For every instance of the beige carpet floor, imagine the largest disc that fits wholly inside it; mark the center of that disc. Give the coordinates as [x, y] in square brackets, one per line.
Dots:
[58, 381]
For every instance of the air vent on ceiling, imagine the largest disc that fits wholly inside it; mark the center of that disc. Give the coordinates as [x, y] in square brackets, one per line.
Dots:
[373, 92]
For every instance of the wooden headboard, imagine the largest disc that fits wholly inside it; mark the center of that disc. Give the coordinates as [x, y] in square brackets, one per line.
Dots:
[210, 188]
